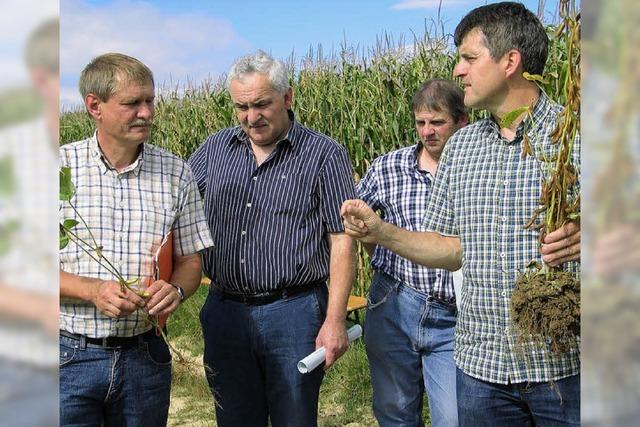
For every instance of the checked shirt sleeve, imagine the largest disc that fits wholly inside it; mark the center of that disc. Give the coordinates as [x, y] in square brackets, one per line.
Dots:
[439, 216]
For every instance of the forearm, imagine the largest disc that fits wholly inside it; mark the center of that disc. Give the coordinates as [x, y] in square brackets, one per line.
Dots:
[78, 287]
[341, 270]
[426, 248]
[187, 273]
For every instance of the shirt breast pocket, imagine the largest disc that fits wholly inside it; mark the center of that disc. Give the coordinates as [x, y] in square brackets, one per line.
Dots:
[157, 223]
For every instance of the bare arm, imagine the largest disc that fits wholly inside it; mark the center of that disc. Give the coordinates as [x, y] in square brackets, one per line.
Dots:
[187, 273]
[106, 295]
[333, 334]
[429, 249]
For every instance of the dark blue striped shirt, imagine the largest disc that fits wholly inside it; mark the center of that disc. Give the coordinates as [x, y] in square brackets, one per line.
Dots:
[270, 222]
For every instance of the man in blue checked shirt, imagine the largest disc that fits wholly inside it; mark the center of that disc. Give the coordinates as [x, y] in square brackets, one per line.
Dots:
[484, 193]
[411, 315]
[273, 190]
[114, 369]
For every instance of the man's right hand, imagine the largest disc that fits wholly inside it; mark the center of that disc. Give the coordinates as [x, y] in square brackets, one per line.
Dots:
[360, 221]
[113, 302]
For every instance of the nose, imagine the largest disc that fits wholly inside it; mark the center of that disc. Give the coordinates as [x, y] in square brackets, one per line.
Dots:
[146, 111]
[253, 116]
[427, 130]
[459, 69]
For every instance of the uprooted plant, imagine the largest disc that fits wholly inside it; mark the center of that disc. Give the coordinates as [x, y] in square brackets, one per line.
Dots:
[545, 305]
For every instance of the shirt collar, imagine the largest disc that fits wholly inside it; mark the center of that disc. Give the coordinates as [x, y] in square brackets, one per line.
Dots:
[541, 108]
[104, 164]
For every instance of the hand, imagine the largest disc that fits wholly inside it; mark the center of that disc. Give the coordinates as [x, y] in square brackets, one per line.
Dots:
[163, 298]
[113, 302]
[562, 245]
[360, 221]
[333, 336]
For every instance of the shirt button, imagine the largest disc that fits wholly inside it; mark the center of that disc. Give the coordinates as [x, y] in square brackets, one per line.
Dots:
[242, 261]
[122, 203]
[506, 330]
[248, 205]
[506, 182]
[243, 232]
[255, 178]
[504, 218]
[502, 255]
[503, 293]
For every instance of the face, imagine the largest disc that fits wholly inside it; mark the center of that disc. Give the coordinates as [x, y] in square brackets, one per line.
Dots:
[261, 110]
[434, 129]
[126, 117]
[483, 79]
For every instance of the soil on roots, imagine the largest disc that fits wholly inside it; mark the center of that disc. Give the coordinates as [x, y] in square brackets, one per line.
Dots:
[545, 306]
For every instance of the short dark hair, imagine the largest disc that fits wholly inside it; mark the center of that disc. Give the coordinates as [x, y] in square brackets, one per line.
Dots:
[506, 26]
[439, 95]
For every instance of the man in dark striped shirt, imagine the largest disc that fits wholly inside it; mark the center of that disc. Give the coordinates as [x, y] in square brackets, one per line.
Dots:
[273, 190]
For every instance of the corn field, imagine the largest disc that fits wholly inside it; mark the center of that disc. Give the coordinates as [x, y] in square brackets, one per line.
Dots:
[360, 98]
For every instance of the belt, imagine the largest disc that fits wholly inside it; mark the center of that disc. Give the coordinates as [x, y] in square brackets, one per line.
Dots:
[112, 342]
[270, 296]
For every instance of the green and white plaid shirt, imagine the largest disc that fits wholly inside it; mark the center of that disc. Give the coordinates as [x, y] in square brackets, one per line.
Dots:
[485, 193]
[129, 213]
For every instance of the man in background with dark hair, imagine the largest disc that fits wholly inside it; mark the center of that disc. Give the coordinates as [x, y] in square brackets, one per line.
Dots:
[411, 315]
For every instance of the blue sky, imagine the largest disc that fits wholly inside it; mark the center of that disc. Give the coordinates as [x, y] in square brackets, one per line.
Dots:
[186, 42]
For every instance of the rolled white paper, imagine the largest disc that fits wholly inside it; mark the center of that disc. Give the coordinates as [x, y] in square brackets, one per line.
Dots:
[314, 360]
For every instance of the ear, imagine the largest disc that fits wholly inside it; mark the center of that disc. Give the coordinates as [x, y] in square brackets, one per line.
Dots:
[92, 104]
[513, 63]
[288, 98]
[463, 121]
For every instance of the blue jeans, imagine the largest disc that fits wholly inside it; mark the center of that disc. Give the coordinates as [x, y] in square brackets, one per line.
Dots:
[253, 352]
[521, 404]
[409, 340]
[114, 386]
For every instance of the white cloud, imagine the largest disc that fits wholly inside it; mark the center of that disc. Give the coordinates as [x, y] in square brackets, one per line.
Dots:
[426, 4]
[178, 47]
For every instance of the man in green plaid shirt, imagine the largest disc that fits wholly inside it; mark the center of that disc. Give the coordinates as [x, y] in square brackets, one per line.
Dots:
[484, 194]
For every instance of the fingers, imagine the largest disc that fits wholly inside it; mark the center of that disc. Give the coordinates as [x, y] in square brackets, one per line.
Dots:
[333, 337]
[562, 245]
[112, 301]
[163, 298]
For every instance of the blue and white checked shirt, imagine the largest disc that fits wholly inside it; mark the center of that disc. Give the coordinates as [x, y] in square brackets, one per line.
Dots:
[270, 222]
[400, 190]
[129, 213]
[485, 194]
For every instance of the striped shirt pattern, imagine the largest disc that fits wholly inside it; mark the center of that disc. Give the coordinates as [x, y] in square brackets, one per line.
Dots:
[270, 222]
[129, 214]
[396, 186]
[485, 193]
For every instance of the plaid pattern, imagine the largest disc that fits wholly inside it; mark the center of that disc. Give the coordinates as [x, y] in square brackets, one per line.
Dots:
[485, 193]
[129, 213]
[396, 186]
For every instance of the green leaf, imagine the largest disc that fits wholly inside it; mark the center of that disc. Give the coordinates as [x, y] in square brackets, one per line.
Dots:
[67, 190]
[69, 223]
[511, 116]
[535, 78]
[63, 238]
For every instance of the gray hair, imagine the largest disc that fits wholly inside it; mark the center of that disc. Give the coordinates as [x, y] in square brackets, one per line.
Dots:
[261, 63]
